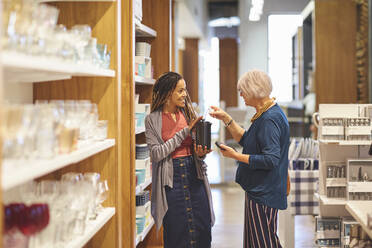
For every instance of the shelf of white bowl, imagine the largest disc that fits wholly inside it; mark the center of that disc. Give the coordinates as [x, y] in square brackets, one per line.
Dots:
[92, 227]
[17, 172]
[140, 129]
[359, 210]
[143, 186]
[332, 201]
[144, 31]
[144, 80]
[147, 229]
[23, 68]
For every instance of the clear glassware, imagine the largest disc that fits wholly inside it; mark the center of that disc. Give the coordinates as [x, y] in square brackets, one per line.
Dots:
[101, 133]
[103, 191]
[82, 35]
[91, 55]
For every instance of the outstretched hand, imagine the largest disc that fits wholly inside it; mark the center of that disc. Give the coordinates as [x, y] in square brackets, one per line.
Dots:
[219, 114]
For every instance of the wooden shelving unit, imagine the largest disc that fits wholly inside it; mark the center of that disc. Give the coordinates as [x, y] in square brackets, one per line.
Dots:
[114, 91]
[155, 28]
[77, 82]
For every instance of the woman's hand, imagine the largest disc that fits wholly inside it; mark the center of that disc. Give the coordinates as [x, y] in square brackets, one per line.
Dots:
[218, 113]
[228, 152]
[200, 151]
[193, 122]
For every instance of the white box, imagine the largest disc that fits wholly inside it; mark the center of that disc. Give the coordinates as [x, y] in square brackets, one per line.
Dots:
[143, 108]
[143, 49]
[144, 164]
[336, 182]
[146, 62]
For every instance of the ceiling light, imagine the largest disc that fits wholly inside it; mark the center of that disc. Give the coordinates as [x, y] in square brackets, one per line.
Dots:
[225, 22]
[256, 10]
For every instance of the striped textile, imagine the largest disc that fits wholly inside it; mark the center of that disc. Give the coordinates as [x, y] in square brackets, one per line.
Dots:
[260, 225]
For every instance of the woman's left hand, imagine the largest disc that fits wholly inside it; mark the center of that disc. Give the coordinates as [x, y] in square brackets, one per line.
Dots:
[227, 151]
[200, 151]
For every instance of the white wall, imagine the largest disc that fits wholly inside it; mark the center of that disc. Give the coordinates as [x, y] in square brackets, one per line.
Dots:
[253, 47]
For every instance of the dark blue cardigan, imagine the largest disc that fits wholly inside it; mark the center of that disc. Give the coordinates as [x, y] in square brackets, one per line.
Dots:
[265, 177]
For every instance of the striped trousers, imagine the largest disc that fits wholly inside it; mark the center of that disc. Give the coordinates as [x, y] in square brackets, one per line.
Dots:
[260, 225]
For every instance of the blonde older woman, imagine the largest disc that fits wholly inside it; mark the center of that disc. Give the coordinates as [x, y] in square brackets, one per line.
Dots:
[263, 165]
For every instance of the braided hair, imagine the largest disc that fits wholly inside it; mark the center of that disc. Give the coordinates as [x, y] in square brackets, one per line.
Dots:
[163, 89]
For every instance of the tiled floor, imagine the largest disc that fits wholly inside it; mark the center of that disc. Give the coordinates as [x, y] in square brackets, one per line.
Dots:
[228, 200]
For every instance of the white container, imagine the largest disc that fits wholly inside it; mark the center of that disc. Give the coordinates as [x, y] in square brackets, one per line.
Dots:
[143, 49]
[145, 62]
[143, 108]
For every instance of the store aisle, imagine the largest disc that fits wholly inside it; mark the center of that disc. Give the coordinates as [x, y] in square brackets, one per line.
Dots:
[228, 200]
[228, 231]
[228, 206]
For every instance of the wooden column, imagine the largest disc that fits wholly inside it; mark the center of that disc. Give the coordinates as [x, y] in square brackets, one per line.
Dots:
[191, 67]
[229, 71]
[335, 67]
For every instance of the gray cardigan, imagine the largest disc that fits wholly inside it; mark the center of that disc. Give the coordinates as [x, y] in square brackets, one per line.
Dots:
[162, 166]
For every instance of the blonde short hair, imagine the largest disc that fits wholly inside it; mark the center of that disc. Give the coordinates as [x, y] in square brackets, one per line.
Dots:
[255, 84]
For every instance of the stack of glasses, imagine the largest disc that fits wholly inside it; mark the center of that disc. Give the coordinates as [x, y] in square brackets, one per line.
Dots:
[31, 28]
[45, 129]
[70, 203]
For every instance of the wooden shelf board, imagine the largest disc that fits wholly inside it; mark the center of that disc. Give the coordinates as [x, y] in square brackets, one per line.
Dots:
[144, 31]
[23, 68]
[143, 80]
[359, 210]
[92, 227]
[17, 172]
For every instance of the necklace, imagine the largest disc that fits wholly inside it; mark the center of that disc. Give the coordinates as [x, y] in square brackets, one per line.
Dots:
[268, 104]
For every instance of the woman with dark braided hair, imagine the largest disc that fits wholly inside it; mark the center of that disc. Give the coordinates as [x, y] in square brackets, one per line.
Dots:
[181, 197]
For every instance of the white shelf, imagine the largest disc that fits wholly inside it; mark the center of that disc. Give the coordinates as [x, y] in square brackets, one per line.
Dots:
[48, 1]
[140, 130]
[359, 186]
[336, 182]
[23, 68]
[138, 239]
[347, 142]
[331, 201]
[359, 210]
[141, 237]
[92, 228]
[143, 80]
[143, 186]
[147, 229]
[17, 172]
[144, 31]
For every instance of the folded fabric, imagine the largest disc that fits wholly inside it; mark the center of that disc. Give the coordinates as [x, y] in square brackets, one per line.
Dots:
[304, 185]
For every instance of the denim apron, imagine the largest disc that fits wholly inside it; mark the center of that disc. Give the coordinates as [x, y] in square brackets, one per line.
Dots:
[187, 223]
